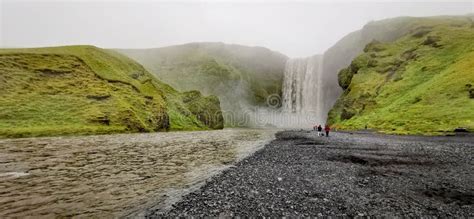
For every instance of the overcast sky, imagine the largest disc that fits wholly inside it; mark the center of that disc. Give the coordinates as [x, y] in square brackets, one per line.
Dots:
[296, 29]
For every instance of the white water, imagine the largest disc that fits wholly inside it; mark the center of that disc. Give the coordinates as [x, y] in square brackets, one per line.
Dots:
[302, 92]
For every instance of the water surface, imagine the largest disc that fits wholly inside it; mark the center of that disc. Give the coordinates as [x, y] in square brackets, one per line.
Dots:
[114, 175]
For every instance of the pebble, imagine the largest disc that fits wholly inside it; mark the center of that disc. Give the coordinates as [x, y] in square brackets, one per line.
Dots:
[344, 175]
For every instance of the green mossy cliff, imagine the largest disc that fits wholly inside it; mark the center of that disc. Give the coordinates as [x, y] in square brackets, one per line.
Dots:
[242, 77]
[422, 82]
[211, 67]
[88, 90]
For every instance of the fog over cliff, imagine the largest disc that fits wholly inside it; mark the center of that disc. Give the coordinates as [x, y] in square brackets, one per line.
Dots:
[296, 29]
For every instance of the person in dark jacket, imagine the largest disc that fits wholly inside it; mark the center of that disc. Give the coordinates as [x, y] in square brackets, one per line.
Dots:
[320, 129]
[327, 129]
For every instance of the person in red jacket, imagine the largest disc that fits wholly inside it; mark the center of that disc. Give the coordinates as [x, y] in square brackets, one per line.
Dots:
[327, 129]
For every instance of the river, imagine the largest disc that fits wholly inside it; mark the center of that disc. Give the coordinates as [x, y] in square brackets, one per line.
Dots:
[108, 176]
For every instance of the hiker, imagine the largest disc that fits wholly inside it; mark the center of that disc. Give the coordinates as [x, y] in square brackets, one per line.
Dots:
[327, 129]
[320, 129]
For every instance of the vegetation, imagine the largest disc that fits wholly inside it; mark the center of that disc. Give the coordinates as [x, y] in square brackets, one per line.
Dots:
[341, 54]
[87, 90]
[419, 83]
[242, 77]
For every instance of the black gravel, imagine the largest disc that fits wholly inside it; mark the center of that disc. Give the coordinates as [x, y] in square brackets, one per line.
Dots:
[347, 174]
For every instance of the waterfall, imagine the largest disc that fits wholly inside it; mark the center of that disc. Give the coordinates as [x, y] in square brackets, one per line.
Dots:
[302, 91]
[320, 107]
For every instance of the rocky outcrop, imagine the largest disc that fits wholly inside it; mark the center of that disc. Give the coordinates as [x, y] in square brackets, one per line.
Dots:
[206, 109]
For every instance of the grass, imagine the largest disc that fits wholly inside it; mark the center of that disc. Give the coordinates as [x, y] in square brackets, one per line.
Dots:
[85, 90]
[240, 76]
[417, 84]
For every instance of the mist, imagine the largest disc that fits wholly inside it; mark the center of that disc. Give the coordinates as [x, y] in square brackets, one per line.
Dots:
[296, 29]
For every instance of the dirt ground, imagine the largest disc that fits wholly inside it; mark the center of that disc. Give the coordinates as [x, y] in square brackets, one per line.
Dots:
[347, 174]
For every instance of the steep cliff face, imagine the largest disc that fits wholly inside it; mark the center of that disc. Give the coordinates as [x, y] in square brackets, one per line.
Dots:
[88, 90]
[345, 50]
[242, 77]
[416, 80]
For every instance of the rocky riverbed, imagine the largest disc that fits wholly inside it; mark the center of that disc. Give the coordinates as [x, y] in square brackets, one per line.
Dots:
[111, 176]
[347, 174]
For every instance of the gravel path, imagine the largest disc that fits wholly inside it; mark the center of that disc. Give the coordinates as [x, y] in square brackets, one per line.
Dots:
[359, 174]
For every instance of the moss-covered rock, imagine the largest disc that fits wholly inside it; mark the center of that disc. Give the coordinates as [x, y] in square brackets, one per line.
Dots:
[432, 41]
[347, 114]
[419, 83]
[206, 109]
[374, 46]
[346, 74]
[86, 90]
[345, 77]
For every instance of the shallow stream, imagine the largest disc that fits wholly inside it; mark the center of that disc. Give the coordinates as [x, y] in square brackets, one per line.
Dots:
[111, 176]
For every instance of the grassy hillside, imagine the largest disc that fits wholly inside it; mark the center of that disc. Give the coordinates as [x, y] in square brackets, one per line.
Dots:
[420, 82]
[242, 77]
[341, 54]
[87, 90]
